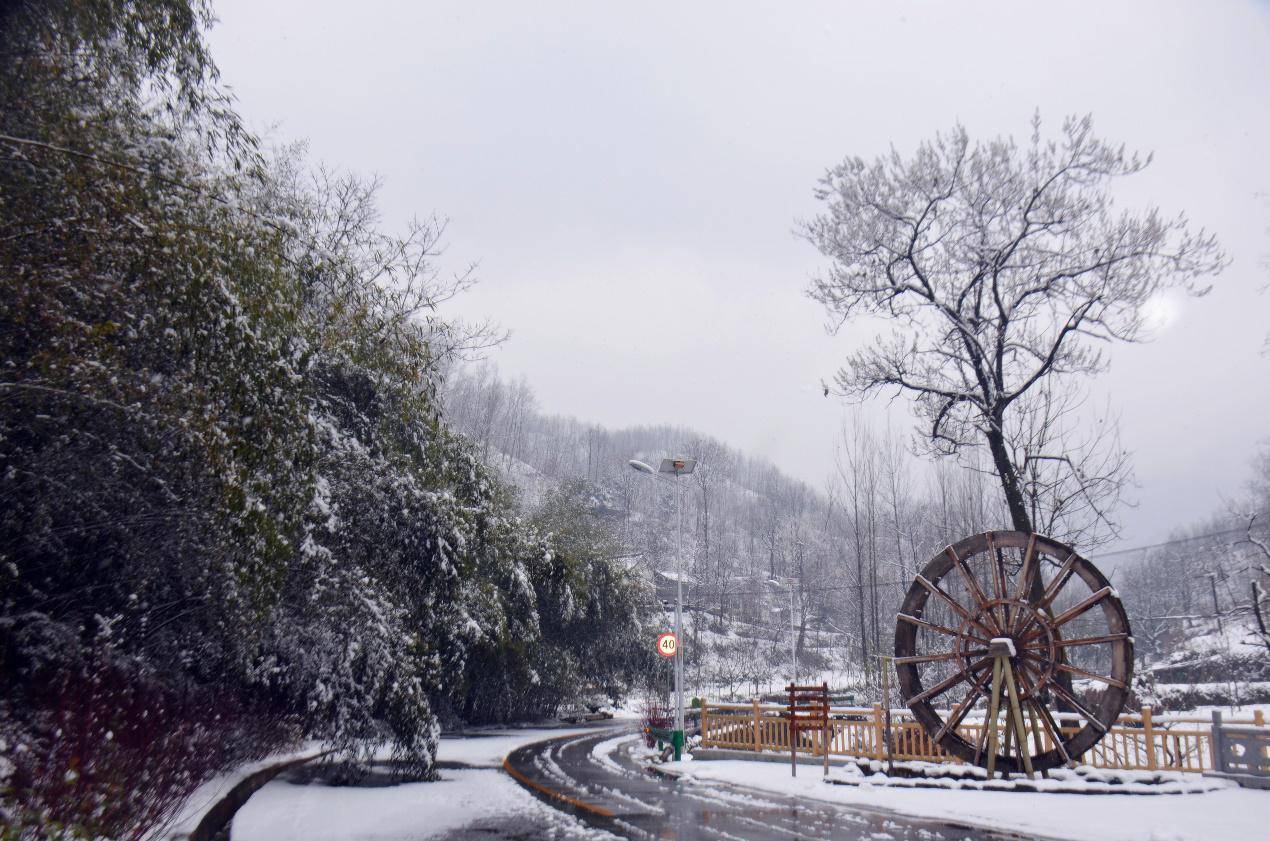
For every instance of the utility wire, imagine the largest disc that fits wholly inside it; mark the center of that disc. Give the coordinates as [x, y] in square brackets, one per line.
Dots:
[1223, 533]
[873, 585]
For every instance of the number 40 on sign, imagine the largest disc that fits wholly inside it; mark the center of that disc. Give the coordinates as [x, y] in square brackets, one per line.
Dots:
[667, 645]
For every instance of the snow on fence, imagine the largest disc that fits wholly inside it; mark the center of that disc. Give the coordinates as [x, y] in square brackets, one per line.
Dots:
[1137, 742]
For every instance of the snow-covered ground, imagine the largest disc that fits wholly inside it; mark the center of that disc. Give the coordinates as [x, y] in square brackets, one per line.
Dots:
[192, 811]
[282, 810]
[487, 747]
[1228, 814]
[1206, 638]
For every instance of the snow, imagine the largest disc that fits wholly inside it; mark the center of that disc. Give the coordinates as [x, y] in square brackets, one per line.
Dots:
[210, 792]
[1205, 641]
[1240, 714]
[671, 575]
[1227, 813]
[1245, 687]
[283, 811]
[1006, 643]
[487, 747]
[603, 751]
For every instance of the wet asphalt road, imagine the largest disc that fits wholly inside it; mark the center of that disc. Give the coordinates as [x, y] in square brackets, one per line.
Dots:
[646, 806]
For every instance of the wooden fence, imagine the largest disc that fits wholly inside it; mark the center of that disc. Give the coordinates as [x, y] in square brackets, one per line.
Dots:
[1137, 742]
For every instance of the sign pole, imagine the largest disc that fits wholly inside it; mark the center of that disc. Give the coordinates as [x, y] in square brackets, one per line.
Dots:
[679, 604]
[886, 699]
[677, 467]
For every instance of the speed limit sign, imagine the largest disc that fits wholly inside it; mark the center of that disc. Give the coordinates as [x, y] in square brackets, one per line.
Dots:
[667, 645]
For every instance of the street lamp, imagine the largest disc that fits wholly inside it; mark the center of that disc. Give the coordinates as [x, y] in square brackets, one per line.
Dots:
[675, 467]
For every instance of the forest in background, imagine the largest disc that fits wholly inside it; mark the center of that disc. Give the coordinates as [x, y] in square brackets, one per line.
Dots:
[852, 547]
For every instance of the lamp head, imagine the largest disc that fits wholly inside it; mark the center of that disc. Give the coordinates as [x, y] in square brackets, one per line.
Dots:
[678, 466]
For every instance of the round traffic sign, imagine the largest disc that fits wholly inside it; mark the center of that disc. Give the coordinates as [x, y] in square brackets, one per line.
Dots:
[667, 645]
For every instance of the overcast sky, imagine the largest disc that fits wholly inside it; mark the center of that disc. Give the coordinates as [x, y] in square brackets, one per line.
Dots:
[629, 177]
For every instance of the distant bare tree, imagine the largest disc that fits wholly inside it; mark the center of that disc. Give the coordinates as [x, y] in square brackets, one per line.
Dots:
[1259, 567]
[1003, 267]
[1073, 467]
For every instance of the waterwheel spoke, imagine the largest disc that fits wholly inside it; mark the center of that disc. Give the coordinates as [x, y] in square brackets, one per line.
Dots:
[972, 585]
[1058, 582]
[998, 580]
[1076, 610]
[1024, 633]
[981, 741]
[1033, 729]
[1105, 638]
[1110, 681]
[939, 629]
[960, 711]
[1047, 720]
[1028, 572]
[934, 658]
[935, 589]
[1039, 662]
[1080, 708]
[948, 683]
[1036, 644]
[998, 570]
[1051, 727]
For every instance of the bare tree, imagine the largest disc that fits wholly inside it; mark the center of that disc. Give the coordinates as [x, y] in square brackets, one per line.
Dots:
[1259, 567]
[1073, 473]
[1003, 269]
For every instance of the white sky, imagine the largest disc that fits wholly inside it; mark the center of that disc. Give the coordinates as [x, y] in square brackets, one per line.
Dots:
[629, 177]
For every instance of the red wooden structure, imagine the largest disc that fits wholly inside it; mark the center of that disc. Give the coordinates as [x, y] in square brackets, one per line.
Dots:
[807, 711]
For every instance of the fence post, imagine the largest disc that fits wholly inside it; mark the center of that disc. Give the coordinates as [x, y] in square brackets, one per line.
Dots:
[758, 734]
[1215, 740]
[1258, 718]
[705, 733]
[877, 731]
[1148, 733]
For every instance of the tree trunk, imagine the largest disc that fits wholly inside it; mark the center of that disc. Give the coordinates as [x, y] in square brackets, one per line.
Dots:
[1022, 522]
[1009, 479]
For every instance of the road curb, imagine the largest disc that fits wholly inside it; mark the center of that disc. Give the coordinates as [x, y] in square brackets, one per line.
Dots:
[663, 773]
[552, 794]
[218, 816]
[558, 799]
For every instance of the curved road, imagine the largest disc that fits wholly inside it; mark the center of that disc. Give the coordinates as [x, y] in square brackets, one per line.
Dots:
[614, 792]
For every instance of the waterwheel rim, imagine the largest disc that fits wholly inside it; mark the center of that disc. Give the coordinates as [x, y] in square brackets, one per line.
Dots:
[1065, 620]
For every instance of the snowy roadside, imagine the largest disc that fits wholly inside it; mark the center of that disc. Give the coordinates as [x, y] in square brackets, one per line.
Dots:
[1228, 813]
[207, 795]
[467, 797]
[486, 747]
[461, 798]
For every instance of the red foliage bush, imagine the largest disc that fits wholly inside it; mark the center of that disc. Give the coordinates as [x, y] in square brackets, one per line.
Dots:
[654, 713]
[98, 747]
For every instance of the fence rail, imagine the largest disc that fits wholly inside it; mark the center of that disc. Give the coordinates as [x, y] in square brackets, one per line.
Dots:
[1138, 741]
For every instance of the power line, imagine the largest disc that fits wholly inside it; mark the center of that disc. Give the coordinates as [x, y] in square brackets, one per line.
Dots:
[1223, 533]
[874, 585]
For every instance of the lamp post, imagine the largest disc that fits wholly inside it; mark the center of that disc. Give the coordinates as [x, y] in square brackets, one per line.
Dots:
[675, 467]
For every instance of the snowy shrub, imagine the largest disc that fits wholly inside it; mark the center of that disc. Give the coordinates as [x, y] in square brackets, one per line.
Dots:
[564, 623]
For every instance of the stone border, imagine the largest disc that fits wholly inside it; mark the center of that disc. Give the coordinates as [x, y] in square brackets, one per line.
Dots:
[219, 815]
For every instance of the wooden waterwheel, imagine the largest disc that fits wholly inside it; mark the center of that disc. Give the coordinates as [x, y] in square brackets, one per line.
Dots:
[1071, 653]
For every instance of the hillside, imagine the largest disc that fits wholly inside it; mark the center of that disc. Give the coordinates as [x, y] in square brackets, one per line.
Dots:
[848, 551]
